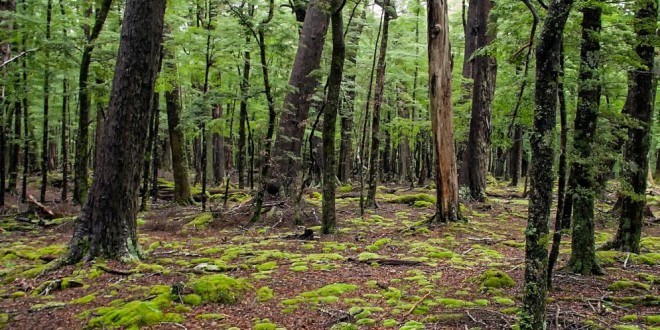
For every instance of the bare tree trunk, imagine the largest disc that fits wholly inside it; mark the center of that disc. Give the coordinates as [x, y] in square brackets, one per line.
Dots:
[333, 102]
[515, 160]
[44, 140]
[218, 150]
[182, 195]
[548, 54]
[637, 147]
[243, 114]
[80, 185]
[484, 71]
[439, 52]
[389, 14]
[286, 163]
[107, 226]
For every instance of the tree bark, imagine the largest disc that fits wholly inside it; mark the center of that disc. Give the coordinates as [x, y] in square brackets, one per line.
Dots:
[439, 52]
[218, 150]
[243, 115]
[80, 184]
[182, 195]
[515, 160]
[540, 198]
[44, 141]
[109, 224]
[286, 164]
[484, 70]
[633, 194]
[333, 101]
[583, 255]
[378, 100]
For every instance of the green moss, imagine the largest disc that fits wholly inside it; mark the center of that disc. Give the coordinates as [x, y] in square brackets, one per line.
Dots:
[192, 299]
[210, 316]
[390, 323]
[496, 279]
[607, 258]
[650, 243]
[17, 294]
[504, 301]
[83, 300]
[345, 188]
[201, 221]
[378, 244]
[650, 259]
[4, 319]
[411, 199]
[413, 325]
[626, 284]
[219, 288]
[365, 256]
[629, 318]
[514, 244]
[134, 314]
[265, 293]
[453, 303]
[267, 266]
[481, 302]
[423, 204]
[649, 278]
[510, 310]
[365, 322]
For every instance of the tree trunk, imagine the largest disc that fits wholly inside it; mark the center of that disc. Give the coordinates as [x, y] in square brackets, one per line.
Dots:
[378, 100]
[15, 147]
[64, 140]
[347, 111]
[243, 116]
[5, 52]
[218, 150]
[636, 153]
[80, 185]
[45, 128]
[484, 71]
[182, 195]
[439, 52]
[515, 160]
[583, 254]
[286, 164]
[333, 101]
[540, 198]
[108, 225]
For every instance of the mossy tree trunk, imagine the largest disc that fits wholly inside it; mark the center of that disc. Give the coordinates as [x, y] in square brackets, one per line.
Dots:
[548, 54]
[333, 103]
[583, 255]
[439, 53]
[107, 225]
[633, 195]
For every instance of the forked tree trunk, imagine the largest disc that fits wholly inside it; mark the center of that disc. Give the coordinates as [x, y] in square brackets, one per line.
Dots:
[285, 172]
[80, 185]
[107, 226]
[329, 222]
[439, 52]
[633, 195]
[583, 254]
[532, 316]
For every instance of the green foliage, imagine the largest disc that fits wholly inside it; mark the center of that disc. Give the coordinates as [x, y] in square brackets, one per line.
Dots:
[496, 279]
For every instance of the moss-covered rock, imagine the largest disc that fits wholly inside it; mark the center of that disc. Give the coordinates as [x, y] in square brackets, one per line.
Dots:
[496, 279]
[201, 221]
[220, 288]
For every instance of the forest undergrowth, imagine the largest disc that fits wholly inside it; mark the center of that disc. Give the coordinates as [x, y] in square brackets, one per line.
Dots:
[384, 270]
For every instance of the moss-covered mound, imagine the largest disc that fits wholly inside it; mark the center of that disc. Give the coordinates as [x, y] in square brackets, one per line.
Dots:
[496, 279]
[220, 288]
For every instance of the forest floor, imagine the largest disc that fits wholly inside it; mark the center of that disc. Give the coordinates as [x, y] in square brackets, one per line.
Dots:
[379, 271]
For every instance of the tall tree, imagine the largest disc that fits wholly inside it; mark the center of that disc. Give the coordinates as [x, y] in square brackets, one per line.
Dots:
[44, 141]
[286, 164]
[542, 138]
[332, 106]
[5, 52]
[107, 226]
[65, 124]
[347, 110]
[633, 195]
[439, 52]
[583, 255]
[80, 184]
[389, 14]
[484, 69]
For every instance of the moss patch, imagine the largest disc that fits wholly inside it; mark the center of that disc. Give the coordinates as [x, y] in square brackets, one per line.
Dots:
[496, 279]
[626, 284]
[219, 288]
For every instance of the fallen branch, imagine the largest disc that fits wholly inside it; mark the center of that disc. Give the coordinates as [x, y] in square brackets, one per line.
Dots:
[412, 309]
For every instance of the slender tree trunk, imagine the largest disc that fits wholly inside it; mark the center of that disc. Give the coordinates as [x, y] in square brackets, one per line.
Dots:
[548, 55]
[80, 184]
[182, 195]
[65, 126]
[287, 164]
[44, 141]
[633, 195]
[5, 121]
[15, 146]
[151, 140]
[583, 254]
[390, 13]
[347, 111]
[484, 71]
[243, 115]
[515, 160]
[439, 52]
[107, 226]
[218, 150]
[333, 101]
[155, 159]
[26, 116]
